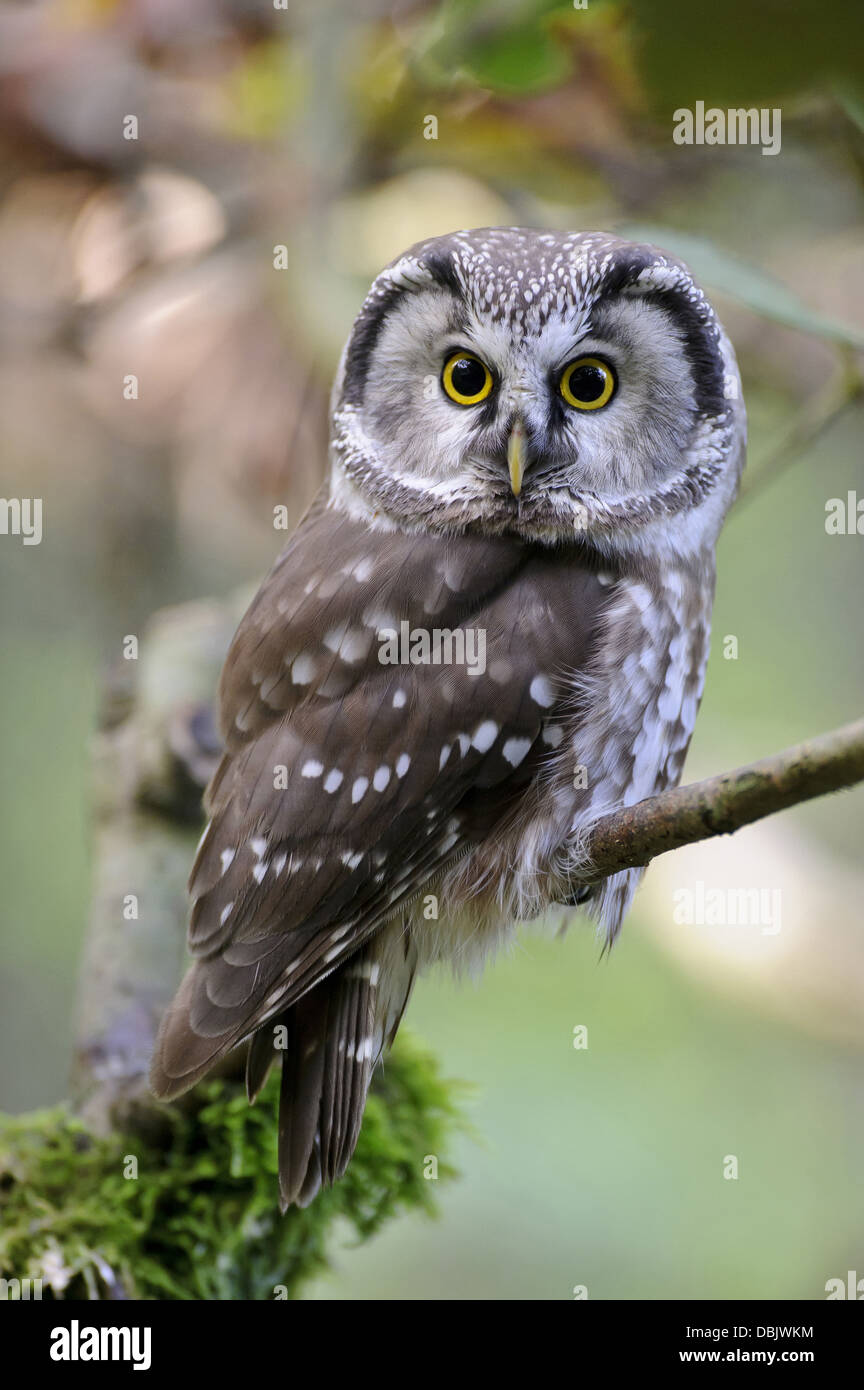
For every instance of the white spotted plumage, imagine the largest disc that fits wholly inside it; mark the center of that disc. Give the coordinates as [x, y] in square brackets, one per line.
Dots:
[590, 579]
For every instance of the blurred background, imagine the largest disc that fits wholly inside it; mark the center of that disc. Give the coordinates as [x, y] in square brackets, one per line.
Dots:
[310, 128]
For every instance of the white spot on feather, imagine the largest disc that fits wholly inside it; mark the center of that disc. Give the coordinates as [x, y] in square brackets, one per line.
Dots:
[515, 749]
[485, 735]
[541, 691]
[303, 669]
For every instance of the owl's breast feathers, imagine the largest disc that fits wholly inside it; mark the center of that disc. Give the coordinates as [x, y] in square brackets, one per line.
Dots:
[347, 783]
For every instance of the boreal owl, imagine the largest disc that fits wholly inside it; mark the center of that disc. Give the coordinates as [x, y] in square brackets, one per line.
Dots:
[491, 628]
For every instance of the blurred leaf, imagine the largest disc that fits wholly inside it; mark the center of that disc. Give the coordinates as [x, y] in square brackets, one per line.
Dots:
[522, 60]
[506, 47]
[746, 283]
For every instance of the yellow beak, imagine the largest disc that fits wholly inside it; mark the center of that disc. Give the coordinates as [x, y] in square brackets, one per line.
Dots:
[516, 457]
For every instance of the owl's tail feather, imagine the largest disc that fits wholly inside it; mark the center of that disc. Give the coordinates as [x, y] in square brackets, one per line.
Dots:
[329, 1043]
[335, 1035]
[261, 1056]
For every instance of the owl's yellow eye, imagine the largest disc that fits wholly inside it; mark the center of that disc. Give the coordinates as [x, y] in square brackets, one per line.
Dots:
[466, 379]
[587, 383]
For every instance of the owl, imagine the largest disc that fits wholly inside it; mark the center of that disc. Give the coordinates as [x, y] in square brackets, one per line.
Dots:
[490, 629]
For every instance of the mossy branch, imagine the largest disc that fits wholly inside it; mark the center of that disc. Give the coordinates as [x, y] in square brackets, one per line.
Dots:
[719, 805]
[189, 1211]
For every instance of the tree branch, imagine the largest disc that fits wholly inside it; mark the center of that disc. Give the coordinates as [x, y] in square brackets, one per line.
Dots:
[719, 805]
[152, 759]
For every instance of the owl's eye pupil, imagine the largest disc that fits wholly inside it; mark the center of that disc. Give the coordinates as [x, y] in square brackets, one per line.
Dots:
[587, 383]
[468, 376]
[466, 379]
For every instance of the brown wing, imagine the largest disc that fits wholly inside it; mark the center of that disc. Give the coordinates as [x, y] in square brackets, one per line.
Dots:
[347, 782]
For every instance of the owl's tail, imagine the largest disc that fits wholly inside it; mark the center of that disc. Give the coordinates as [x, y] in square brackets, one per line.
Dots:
[330, 1042]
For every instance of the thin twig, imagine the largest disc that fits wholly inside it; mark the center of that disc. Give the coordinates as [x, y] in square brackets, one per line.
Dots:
[682, 816]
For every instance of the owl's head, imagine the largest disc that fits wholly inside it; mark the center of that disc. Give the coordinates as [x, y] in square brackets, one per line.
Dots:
[546, 385]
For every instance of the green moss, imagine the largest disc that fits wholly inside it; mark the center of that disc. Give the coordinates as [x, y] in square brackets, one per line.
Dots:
[201, 1220]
